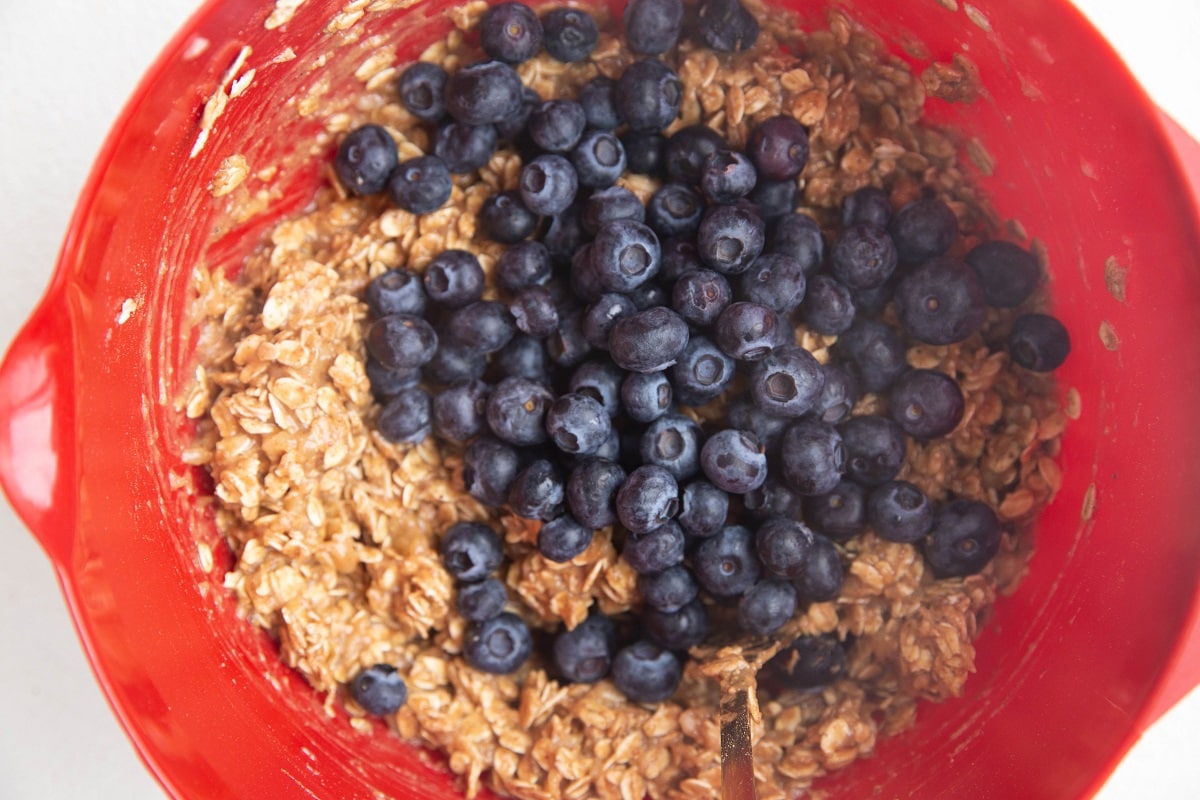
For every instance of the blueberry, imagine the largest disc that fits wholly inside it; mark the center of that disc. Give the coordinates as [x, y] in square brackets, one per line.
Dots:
[700, 295]
[1039, 342]
[725, 25]
[481, 601]
[471, 551]
[839, 395]
[599, 159]
[676, 630]
[405, 416]
[729, 238]
[567, 346]
[645, 396]
[868, 205]
[598, 98]
[828, 305]
[484, 326]
[386, 382]
[464, 148]
[862, 256]
[523, 357]
[396, 291]
[674, 209]
[505, 218]
[702, 372]
[644, 151]
[454, 278]
[899, 512]
[609, 204]
[569, 34]
[873, 301]
[766, 607]
[584, 275]
[483, 93]
[734, 461]
[813, 456]
[422, 90]
[926, 403]
[563, 538]
[379, 689]
[652, 26]
[611, 449]
[457, 412]
[703, 509]
[679, 255]
[512, 127]
[838, 514]
[875, 351]
[799, 236]
[778, 146]
[510, 32]
[420, 185]
[489, 468]
[453, 362]
[556, 125]
[923, 229]
[746, 415]
[601, 381]
[673, 442]
[365, 160]
[809, 662]
[625, 254]
[775, 280]
[401, 341]
[965, 536]
[548, 184]
[787, 381]
[647, 499]
[564, 236]
[726, 565]
[1007, 273]
[821, 579]
[783, 546]
[516, 411]
[537, 492]
[875, 449]
[577, 424]
[525, 263]
[601, 315]
[648, 95]
[940, 301]
[746, 331]
[772, 499]
[686, 151]
[584, 654]
[775, 199]
[499, 645]
[668, 590]
[726, 176]
[533, 311]
[648, 341]
[592, 489]
[646, 673]
[656, 550]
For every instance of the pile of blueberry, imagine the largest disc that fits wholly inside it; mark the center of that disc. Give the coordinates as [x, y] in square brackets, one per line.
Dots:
[570, 396]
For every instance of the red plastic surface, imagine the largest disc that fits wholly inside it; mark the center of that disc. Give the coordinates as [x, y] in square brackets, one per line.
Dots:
[1100, 639]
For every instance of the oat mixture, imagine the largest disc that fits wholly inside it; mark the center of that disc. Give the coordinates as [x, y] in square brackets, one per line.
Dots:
[335, 530]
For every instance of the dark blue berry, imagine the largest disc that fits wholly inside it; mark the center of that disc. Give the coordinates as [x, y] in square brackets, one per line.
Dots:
[703, 509]
[726, 176]
[489, 468]
[471, 551]
[646, 673]
[862, 256]
[652, 26]
[808, 662]
[499, 645]
[645, 396]
[828, 305]
[599, 159]
[396, 291]
[648, 95]
[379, 689]
[387, 382]
[458, 411]
[734, 461]
[746, 415]
[454, 278]
[656, 550]
[940, 301]
[965, 536]
[813, 456]
[869, 205]
[422, 90]
[726, 565]
[601, 381]
[875, 351]
[401, 341]
[775, 280]
[648, 341]
[644, 151]
[510, 32]
[778, 146]
[567, 346]
[678, 256]
[533, 311]
[766, 607]
[772, 499]
[564, 236]
[686, 151]
[799, 236]
[1007, 273]
[746, 331]
[783, 546]
[729, 238]
[601, 315]
[899, 512]
[673, 442]
[405, 416]
[609, 204]
[726, 25]
[839, 395]
[625, 254]
[569, 34]
[668, 590]
[838, 514]
[537, 492]
[1039, 342]
[483, 93]
[775, 199]
[592, 489]
[787, 381]
[512, 127]
[926, 403]
[420, 185]
[676, 630]
[548, 184]
[872, 302]
[365, 160]
[516, 411]
[523, 264]
[875, 449]
[464, 148]
[556, 125]
[563, 538]
[821, 579]
[505, 218]
[598, 98]
[479, 602]
[648, 499]
[523, 357]
[700, 295]
[922, 229]
[484, 326]
[453, 362]
[584, 654]
[674, 209]
[702, 372]
[577, 424]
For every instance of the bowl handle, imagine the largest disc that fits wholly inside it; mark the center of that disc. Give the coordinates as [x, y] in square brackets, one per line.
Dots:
[37, 409]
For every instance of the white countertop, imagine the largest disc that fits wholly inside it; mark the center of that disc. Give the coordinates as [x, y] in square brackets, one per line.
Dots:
[67, 68]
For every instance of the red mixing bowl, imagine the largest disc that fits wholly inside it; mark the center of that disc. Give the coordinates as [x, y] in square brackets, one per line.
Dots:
[1102, 637]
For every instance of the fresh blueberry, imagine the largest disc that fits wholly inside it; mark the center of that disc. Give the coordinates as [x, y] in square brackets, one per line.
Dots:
[453, 362]
[601, 381]
[828, 305]
[564, 236]
[489, 468]
[609, 204]
[599, 159]
[387, 382]
[464, 148]
[420, 185]
[656, 550]
[869, 205]
[1039, 342]
[875, 449]
[686, 151]
[556, 125]
[775, 280]
[512, 127]
[679, 255]
[700, 295]
[563, 538]
[872, 302]
[839, 395]
[484, 326]
[396, 291]
[875, 351]
[799, 236]
[583, 277]
[569, 34]
[783, 546]
[646, 673]
[648, 95]
[668, 590]
[648, 341]
[965, 536]
[534, 312]
[422, 90]
[726, 176]
[365, 160]
[1007, 273]
[379, 689]
[598, 98]
[821, 579]
[702, 372]
[644, 151]
[592, 489]
[778, 146]
[584, 654]
[525, 263]
[926, 403]
[652, 26]
[703, 509]
[729, 238]
[734, 461]
[505, 218]
[940, 301]
[625, 254]
[405, 416]
[577, 424]
[787, 381]
[775, 199]
[726, 565]
[537, 492]
[499, 645]
[838, 514]
[899, 512]
[481, 601]
[747, 415]
[674, 209]
[923, 229]
[647, 499]
[567, 346]
[454, 278]
[673, 442]
[772, 499]
[548, 184]
[471, 551]
[645, 396]
[523, 357]
[813, 456]
[746, 331]
[726, 25]
[601, 315]
[458, 411]
[862, 256]
[766, 607]
[809, 662]
[510, 32]
[516, 411]
[483, 93]
[676, 630]
[401, 341]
